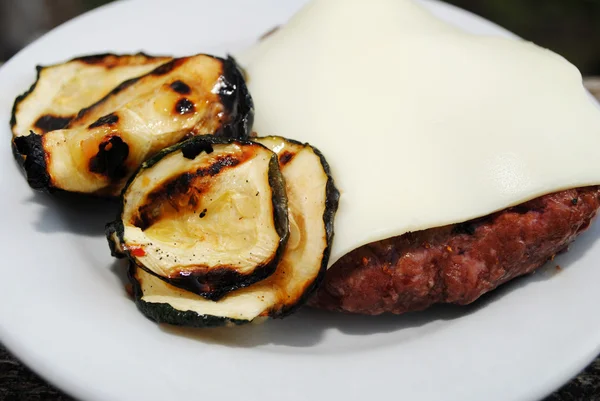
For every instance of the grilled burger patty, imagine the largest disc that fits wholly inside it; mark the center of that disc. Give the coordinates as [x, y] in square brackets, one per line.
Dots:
[456, 263]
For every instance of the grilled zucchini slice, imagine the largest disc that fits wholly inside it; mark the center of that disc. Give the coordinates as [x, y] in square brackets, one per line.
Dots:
[107, 141]
[61, 90]
[312, 203]
[208, 216]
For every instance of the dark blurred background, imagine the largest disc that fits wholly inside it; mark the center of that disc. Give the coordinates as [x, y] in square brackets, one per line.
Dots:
[569, 27]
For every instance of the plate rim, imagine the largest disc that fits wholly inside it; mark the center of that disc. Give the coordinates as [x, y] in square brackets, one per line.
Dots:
[45, 370]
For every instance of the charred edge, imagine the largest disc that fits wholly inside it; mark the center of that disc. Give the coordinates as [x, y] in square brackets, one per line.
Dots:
[32, 148]
[105, 59]
[180, 87]
[110, 159]
[193, 149]
[21, 97]
[113, 232]
[109, 119]
[17, 155]
[236, 99]
[165, 313]
[100, 58]
[49, 122]
[184, 106]
[178, 186]
[96, 58]
[211, 139]
[332, 199]
[217, 282]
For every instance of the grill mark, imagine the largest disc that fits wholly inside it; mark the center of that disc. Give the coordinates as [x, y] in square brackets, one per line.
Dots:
[179, 193]
[168, 67]
[119, 88]
[286, 157]
[213, 282]
[180, 87]
[109, 119]
[110, 159]
[126, 84]
[49, 122]
[184, 106]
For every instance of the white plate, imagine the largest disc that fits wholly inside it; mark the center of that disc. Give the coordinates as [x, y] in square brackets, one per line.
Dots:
[64, 312]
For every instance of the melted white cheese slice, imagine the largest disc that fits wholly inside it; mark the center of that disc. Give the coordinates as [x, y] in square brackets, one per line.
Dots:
[423, 125]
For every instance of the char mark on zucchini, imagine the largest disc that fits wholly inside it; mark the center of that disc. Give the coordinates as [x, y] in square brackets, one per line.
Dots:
[60, 91]
[49, 122]
[177, 194]
[110, 159]
[109, 119]
[190, 216]
[313, 201]
[180, 87]
[167, 67]
[108, 141]
[184, 106]
[115, 91]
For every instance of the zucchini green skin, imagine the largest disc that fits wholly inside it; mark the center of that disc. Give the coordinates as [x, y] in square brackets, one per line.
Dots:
[165, 313]
[114, 234]
[234, 95]
[227, 281]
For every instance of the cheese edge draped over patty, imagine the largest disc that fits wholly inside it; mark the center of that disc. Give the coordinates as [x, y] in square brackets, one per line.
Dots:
[423, 124]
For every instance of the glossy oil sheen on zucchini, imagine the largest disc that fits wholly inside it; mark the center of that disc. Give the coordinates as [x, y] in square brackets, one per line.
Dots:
[107, 141]
[208, 216]
[312, 203]
[62, 90]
